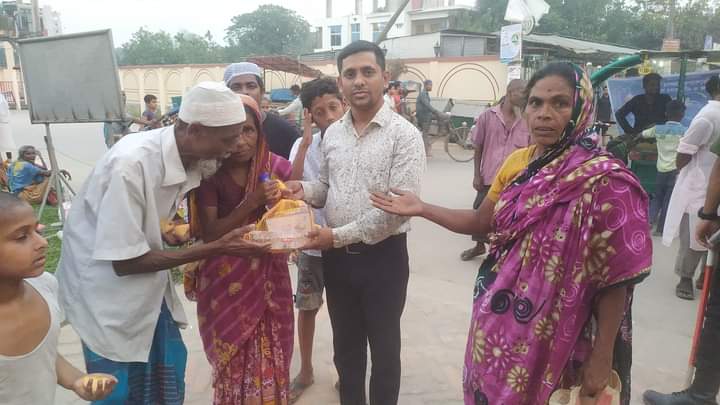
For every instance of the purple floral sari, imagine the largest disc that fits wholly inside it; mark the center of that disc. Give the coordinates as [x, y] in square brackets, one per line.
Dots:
[565, 232]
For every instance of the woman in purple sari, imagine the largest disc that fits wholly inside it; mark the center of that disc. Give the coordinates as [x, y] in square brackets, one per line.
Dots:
[570, 238]
[244, 305]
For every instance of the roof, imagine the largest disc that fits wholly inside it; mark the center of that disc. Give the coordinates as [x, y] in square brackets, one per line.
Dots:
[578, 46]
[285, 64]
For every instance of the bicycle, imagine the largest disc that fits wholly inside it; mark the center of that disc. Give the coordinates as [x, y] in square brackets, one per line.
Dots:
[457, 142]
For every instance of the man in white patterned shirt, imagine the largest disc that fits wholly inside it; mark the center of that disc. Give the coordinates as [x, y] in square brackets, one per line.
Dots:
[371, 149]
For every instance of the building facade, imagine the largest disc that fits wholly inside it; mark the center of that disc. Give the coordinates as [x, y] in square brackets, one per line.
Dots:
[366, 23]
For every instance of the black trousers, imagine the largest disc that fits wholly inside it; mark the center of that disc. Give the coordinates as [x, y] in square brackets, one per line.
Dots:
[366, 287]
[707, 371]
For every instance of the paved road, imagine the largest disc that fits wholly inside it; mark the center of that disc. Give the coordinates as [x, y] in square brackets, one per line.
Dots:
[435, 322]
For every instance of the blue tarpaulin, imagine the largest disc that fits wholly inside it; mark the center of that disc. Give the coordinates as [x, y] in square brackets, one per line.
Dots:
[281, 96]
[622, 90]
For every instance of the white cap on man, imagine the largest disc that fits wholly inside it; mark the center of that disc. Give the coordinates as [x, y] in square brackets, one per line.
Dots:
[212, 104]
[241, 68]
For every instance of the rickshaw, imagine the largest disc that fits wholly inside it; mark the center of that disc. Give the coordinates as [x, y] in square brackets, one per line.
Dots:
[640, 154]
[645, 167]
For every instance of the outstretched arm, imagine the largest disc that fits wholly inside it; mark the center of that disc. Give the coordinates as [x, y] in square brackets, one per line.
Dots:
[468, 222]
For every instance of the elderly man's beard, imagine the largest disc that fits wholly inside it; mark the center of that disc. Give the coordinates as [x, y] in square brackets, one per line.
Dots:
[208, 167]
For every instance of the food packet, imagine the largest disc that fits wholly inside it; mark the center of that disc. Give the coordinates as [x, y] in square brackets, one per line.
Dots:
[285, 225]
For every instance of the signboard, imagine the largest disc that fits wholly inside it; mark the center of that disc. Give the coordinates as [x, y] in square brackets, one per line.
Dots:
[511, 43]
[514, 72]
[622, 90]
[72, 78]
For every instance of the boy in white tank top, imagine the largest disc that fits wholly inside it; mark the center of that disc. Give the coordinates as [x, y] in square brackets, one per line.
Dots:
[30, 366]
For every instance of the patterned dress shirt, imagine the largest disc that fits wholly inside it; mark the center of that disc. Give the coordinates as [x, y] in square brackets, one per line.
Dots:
[389, 153]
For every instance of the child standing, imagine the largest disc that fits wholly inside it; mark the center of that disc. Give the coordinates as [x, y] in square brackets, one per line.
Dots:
[668, 138]
[150, 113]
[30, 366]
[323, 106]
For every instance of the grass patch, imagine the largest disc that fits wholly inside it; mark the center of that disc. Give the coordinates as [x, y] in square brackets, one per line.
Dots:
[51, 220]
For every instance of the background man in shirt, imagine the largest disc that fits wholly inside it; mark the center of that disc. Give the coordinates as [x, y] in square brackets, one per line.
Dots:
[648, 109]
[499, 131]
[668, 138]
[294, 110]
[365, 258]
[246, 78]
[424, 113]
[706, 382]
[114, 283]
[325, 106]
[694, 163]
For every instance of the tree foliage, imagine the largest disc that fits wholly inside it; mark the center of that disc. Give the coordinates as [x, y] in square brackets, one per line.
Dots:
[148, 48]
[269, 30]
[639, 23]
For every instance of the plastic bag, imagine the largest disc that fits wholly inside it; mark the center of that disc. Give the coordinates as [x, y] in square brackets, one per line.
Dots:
[285, 226]
[609, 396]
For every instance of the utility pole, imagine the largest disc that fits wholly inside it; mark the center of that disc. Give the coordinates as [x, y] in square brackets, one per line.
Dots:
[388, 26]
[37, 24]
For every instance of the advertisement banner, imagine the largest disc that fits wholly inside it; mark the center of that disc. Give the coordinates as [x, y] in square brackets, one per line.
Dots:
[511, 43]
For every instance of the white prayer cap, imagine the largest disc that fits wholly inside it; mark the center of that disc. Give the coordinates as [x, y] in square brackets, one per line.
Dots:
[211, 104]
[242, 68]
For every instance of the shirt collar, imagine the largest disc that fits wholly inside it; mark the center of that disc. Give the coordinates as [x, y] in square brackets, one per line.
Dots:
[382, 118]
[174, 171]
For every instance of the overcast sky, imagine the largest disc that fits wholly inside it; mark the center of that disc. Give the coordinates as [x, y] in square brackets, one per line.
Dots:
[125, 17]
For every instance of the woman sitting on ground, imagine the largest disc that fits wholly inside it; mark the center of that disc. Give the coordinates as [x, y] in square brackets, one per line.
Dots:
[569, 235]
[26, 179]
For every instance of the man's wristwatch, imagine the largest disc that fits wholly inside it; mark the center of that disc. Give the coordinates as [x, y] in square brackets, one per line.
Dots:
[708, 217]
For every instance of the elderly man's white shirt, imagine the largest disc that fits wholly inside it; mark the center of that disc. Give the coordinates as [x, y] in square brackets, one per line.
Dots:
[116, 216]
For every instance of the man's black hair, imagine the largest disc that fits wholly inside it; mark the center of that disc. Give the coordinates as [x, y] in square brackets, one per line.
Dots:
[149, 98]
[318, 88]
[295, 88]
[361, 46]
[651, 77]
[713, 85]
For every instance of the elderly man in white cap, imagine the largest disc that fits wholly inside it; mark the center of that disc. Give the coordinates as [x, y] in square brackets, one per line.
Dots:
[246, 78]
[115, 286]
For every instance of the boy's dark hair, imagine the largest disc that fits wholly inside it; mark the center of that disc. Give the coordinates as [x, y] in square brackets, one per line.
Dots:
[149, 98]
[361, 46]
[318, 88]
[294, 88]
[651, 77]
[9, 201]
[675, 108]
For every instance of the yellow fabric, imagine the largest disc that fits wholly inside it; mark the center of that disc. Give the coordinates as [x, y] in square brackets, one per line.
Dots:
[279, 209]
[33, 194]
[510, 169]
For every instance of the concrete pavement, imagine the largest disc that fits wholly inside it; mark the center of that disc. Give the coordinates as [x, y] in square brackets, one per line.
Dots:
[435, 322]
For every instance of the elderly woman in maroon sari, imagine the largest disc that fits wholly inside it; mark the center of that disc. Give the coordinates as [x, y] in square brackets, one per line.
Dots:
[244, 305]
[570, 238]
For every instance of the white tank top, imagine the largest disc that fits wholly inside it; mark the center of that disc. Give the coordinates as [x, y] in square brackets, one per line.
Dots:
[31, 378]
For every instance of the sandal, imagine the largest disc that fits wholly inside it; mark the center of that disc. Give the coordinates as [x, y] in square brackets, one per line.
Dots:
[684, 289]
[472, 253]
[297, 389]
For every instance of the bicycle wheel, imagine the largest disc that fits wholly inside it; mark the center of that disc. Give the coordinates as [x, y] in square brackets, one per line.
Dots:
[459, 146]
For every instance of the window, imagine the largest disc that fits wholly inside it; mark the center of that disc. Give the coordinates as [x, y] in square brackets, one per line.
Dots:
[336, 35]
[3, 59]
[354, 32]
[377, 29]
